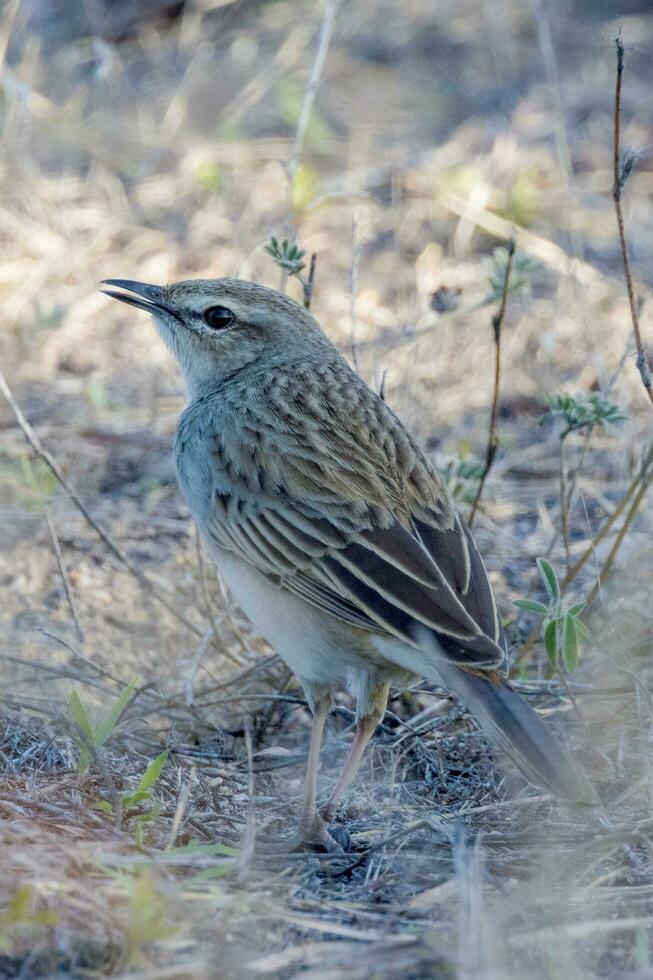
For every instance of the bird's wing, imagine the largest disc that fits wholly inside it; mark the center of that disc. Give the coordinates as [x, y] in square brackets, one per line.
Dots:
[321, 488]
[393, 580]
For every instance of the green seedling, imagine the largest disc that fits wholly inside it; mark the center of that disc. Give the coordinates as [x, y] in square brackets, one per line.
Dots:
[90, 737]
[564, 631]
[521, 270]
[287, 255]
[463, 477]
[575, 413]
[142, 794]
[19, 916]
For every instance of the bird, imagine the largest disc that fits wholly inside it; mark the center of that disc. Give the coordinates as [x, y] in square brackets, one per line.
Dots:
[334, 532]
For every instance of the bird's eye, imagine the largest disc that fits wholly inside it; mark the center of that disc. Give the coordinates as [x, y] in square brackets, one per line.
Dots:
[218, 317]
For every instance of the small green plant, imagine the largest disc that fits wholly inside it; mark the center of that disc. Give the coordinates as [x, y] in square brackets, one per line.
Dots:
[36, 483]
[287, 255]
[149, 917]
[564, 631]
[290, 259]
[142, 794]
[19, 916]
[575, 413]
[90, 737]
[521, 270]
[463, 477]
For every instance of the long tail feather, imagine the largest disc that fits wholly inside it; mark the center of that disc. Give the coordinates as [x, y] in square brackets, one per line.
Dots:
[511, 723]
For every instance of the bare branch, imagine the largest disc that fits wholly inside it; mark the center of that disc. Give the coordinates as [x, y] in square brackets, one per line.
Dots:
[497, 324]
[620, 175]
[63, 571]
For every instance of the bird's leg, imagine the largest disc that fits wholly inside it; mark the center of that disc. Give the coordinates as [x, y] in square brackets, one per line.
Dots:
[310, 819]
[365, 728]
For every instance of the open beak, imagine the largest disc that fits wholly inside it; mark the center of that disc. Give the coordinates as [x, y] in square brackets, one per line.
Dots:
[149, 298]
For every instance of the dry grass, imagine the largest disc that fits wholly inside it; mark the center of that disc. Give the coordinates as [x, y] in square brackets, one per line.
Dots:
[163, 155]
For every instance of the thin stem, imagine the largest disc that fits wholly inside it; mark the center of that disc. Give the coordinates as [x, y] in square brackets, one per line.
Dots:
[612, 554]
[307, 284]
[568, 692]
[616, 513]
[564, 517]
[63, 571]
[326, 30]
[497, 324]
[619, 179]
[640, 476]
[103, 534]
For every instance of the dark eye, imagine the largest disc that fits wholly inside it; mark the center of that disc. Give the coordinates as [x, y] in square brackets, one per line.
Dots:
[218, 317]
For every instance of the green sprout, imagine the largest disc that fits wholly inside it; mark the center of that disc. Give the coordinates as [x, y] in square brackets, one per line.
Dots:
[290, 259]
[564, 631]
[287, 255]
[19, 917]
[462, 476]
[575, 414]
[521, 270]
[142, 794]
[581, 412]
[88, 737]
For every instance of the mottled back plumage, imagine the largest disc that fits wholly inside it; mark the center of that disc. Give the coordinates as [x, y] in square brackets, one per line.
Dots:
[317, 484]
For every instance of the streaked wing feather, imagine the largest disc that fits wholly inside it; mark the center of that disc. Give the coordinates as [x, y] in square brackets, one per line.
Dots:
[455, 553]
[448, 549]
[383, 579]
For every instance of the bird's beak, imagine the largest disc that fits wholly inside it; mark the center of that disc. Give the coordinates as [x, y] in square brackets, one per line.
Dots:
[149, 298]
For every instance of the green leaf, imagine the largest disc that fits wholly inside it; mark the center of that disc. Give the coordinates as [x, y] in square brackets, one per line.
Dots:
[217, 871]
[576, 609]
[551, 644]
[78, 712]
[530, 605]
[110, 720]
[549, 578]
[20, 905]
[130, 800]
[569, 643]
[153, 771]
[584, 634]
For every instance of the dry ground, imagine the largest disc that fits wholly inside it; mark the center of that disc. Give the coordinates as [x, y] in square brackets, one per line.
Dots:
[157, 151]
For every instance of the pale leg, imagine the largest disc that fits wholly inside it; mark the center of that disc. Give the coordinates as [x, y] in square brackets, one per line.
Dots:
[310, 818]
[364, 731]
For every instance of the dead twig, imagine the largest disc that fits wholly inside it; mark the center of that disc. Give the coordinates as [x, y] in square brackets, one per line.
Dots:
[63, 571]
[620, 175]
[249, 841]
[307, 284]
[326, 30]
[564, 498]
[146, 584]
[497, 324]
[612, 554]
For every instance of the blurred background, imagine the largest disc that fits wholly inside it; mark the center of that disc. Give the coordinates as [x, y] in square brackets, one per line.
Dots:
[162, 140]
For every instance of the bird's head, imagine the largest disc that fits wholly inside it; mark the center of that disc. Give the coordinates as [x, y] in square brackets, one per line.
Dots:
[217, 327]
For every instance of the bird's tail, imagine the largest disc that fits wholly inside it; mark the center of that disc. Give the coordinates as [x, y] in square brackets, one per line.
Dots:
[511, 723]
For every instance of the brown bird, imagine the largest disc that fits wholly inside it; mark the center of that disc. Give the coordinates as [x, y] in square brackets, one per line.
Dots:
[332, 529]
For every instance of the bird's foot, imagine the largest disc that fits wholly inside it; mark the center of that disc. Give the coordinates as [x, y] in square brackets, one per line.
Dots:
[313, 834]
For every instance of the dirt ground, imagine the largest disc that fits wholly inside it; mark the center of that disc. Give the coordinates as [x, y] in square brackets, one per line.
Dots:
[153, 141]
